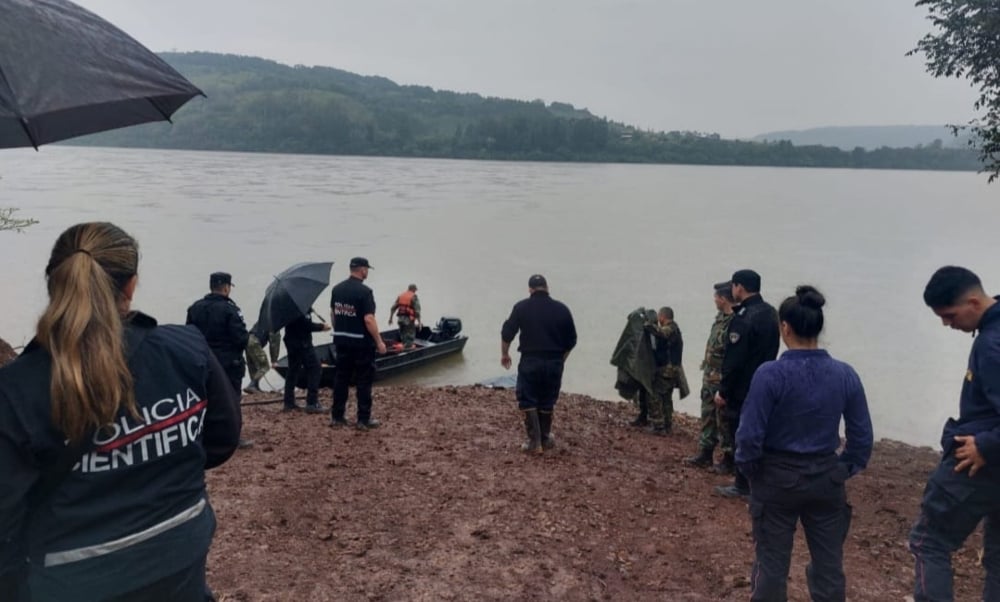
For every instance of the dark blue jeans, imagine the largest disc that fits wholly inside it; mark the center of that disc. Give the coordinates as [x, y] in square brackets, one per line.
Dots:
[538, 382]
[355, 365]
[952, 507]
[788, 489]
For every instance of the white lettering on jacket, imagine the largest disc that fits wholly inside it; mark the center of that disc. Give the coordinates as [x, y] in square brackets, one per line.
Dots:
[163, 427]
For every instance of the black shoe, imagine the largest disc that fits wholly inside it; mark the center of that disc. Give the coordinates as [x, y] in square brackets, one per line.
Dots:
[365, 425]
[253, 388]
[659, 431]
[640, 420]
[245, 443]
[726, 467]
[702, 460]
[731, 491]
[316, 408]
[290, 408]
[337, 422]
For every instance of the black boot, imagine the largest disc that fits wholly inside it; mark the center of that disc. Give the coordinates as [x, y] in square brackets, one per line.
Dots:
[702, 460]
[643, 418]
[727, 466]
[545, 422]
[534, 429]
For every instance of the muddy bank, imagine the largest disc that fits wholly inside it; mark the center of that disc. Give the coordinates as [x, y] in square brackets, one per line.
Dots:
[439, 504]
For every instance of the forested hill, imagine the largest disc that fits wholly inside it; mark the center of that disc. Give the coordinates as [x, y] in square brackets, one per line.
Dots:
[259, 105]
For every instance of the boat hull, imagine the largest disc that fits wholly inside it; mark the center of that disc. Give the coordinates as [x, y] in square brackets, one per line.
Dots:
[394, 362]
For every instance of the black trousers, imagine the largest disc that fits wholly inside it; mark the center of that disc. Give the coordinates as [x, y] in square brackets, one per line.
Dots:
[788, 489]
[539, 380]
[302, 358]
[186, 586]
[953, 506]
[355, 365]
[733, 416]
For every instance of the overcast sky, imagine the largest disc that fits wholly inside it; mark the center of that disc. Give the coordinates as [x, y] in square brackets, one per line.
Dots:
[736, 67]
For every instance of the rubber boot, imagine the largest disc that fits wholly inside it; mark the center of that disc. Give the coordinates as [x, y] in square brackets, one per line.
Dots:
[534, 429]
[643, 418]
[702, 460]
[545, 422]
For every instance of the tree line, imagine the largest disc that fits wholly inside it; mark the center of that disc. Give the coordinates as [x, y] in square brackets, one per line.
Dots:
[259, 105]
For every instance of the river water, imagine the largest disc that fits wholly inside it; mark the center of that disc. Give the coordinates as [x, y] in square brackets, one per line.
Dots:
[608, 237]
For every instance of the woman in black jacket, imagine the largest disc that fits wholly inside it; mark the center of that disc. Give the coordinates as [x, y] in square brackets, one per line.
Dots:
[107, 424]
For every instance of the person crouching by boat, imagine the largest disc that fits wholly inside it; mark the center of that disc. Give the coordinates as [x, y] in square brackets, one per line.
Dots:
[787, 445]
[257, 359]
[407, 308]
[107, 424]
[547, 335]
[302, 356]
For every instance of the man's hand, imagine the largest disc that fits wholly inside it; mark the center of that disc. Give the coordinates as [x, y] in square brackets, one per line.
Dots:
[720, 401]
[505, 361]
[380, 347]
[326, 326]
[390, 321]
[968, 455]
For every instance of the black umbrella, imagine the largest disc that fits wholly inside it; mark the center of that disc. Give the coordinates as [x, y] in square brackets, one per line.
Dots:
[291, 295]
[66, 72]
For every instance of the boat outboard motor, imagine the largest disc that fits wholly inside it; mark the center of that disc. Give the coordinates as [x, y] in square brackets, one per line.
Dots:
[449, 327]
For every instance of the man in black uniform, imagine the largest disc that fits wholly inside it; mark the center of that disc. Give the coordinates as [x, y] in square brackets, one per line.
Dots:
[753, 338]
[302, 356]
[547, 335]
[221, 321]
[357, 339]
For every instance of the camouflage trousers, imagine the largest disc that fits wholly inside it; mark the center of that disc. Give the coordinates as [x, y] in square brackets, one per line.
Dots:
[661, 403]
[256, 360]
[714, 425]
[407, 330]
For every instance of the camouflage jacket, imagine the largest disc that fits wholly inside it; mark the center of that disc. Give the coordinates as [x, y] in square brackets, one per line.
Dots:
[715, 349]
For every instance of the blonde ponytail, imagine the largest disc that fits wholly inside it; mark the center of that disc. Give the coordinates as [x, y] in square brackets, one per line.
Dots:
[82, 326]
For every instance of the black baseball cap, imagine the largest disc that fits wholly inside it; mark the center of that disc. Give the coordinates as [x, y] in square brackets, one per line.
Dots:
[537, 281]
[217, 279]
[360, 262]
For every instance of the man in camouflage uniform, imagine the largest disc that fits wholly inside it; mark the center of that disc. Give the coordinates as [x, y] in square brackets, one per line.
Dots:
[714, 427]
[668, 348]
[257, 359]
[407, 310]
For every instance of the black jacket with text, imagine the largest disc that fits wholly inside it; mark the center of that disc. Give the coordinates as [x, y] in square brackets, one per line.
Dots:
[133, 509]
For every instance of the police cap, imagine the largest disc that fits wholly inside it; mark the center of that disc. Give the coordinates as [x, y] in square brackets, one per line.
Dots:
[360, 262]
[217, 279]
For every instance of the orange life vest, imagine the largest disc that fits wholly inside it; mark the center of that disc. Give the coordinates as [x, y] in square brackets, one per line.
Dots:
[404, 305]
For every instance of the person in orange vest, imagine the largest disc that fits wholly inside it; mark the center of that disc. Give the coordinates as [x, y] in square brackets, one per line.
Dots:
[407, 310]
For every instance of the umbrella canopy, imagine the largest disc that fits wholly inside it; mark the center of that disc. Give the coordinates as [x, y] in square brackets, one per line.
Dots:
[66, 72]
[290, 295]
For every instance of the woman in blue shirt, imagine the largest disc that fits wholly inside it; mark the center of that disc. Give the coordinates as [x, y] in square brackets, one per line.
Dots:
[787, 446]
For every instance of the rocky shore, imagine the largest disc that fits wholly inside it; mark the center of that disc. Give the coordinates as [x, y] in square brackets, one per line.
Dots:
[439, 504]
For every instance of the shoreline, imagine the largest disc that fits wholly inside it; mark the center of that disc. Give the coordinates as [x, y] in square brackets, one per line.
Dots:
[439, 504]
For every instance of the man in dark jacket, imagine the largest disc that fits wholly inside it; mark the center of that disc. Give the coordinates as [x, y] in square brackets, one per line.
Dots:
[547, 335]
[752, 339]
[357, 339]
[302, 356]
[221, 321]
[965, 487]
